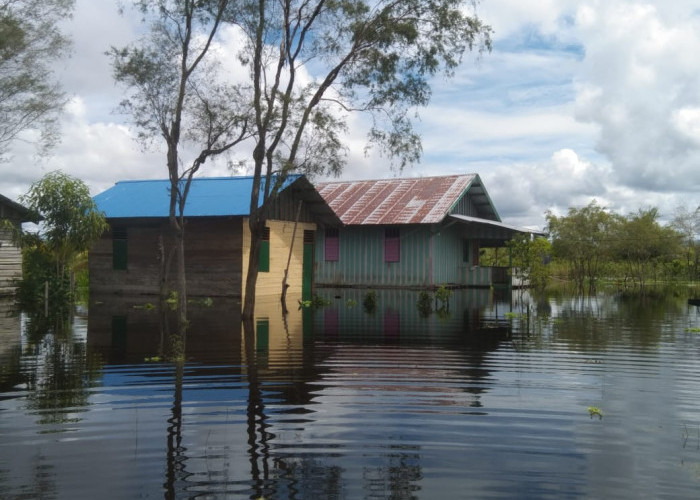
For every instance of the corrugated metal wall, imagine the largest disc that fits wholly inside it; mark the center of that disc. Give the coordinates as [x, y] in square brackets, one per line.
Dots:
[361, 260]
[430, 256]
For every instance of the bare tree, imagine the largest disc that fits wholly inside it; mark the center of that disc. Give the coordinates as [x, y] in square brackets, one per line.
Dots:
[176, 95]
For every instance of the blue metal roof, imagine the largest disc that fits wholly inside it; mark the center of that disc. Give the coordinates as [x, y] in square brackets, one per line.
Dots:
[208, 197]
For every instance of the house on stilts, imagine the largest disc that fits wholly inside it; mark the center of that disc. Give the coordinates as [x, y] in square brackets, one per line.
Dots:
[410, 233]
[131, 257]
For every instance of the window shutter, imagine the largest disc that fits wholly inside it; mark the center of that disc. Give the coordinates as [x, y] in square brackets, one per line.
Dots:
[332, 244]
[392, 245]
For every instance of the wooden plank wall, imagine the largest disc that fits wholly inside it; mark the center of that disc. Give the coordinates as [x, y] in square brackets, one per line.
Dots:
[10, 263]
[212, 257]
[270, 283]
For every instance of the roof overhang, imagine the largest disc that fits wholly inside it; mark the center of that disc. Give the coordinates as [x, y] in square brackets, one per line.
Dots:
[498, 231]
[303, 190]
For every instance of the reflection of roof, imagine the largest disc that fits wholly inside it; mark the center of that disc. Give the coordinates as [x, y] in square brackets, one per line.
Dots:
[424, 200]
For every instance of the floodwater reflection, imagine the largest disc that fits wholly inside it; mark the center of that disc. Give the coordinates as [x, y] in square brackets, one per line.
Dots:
[341, 403]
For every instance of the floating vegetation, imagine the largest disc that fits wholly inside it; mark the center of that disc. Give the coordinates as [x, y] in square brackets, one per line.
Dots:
[424, 304]
[443, 294]
[693, 330]
[594, 411]
[316, 302]
[147, 306]
[369, 302]
[152, 359]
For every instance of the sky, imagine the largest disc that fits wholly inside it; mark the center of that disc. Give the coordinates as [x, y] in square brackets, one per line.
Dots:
[579, 100]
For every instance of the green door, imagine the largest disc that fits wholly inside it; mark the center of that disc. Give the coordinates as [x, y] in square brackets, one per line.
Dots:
[307, 271]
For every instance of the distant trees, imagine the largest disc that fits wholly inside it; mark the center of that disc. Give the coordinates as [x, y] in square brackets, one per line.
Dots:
[529, 259]
[582, 239]
[632, 249]
[29, 42]
[687, 223]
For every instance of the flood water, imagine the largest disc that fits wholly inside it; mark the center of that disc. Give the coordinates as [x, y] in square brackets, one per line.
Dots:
[478, 402]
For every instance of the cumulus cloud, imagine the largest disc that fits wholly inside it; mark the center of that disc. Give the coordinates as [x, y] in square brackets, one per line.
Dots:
[640, 85]
[579, 100]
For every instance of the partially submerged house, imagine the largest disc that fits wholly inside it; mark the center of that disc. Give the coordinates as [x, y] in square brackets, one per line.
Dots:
[10, 253]
[131, 256]
[416, 232]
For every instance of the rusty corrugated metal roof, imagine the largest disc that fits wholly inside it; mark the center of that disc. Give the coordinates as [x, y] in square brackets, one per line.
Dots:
[421, 200]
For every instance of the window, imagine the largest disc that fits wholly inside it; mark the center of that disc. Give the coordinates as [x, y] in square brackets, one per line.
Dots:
[264, 260]
[119, 249]
[470, 252]
[392, 245]
[332, 244]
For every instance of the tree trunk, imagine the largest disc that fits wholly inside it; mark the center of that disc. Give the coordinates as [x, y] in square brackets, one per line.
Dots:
[252, 276]
[181, 286]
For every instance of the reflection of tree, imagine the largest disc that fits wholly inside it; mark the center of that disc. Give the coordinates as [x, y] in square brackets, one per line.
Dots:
[59, 380]
[176, 456]
[258, 448]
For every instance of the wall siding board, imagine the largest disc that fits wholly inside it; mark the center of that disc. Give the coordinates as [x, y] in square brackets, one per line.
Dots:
[269, 284]
[430, 256]
[211, 245]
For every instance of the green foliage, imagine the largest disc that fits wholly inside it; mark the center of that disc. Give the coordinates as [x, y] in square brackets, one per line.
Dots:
[582, 239]
[642, 244]
[443, 294]
[30, 42]
[369, 301]
[594, 411]
[350, 303]
[316, 302]
[530, 258]
[424, 303]
[70, 223]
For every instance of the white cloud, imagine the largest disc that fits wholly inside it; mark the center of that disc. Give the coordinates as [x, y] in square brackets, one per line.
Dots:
[580, 100]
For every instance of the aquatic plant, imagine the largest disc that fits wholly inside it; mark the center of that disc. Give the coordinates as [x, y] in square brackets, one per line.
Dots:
[369, 302]
[443, 294]
[424, 304]
[595, 411]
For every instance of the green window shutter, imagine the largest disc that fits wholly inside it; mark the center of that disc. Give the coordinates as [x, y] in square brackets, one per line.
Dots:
[264, 260]
[119, 250]
[262, 334]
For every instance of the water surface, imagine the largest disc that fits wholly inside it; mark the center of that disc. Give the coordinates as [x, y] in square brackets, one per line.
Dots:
[477, 402]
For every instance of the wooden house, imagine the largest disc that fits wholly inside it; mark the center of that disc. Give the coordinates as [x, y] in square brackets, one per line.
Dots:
[10, 254]
[418, 232]
[131, 256]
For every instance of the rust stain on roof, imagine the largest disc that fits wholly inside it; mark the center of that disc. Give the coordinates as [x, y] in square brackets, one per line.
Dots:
[424, 200]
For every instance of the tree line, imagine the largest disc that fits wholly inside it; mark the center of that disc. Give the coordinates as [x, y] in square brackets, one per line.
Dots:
[590, 244]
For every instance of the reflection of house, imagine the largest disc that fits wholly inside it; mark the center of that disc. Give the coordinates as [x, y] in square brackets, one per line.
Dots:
[10, 254]
[410, 233]
[130, 256]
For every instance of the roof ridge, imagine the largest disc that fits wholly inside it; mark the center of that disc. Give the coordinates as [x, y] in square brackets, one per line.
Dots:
[394, 179]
